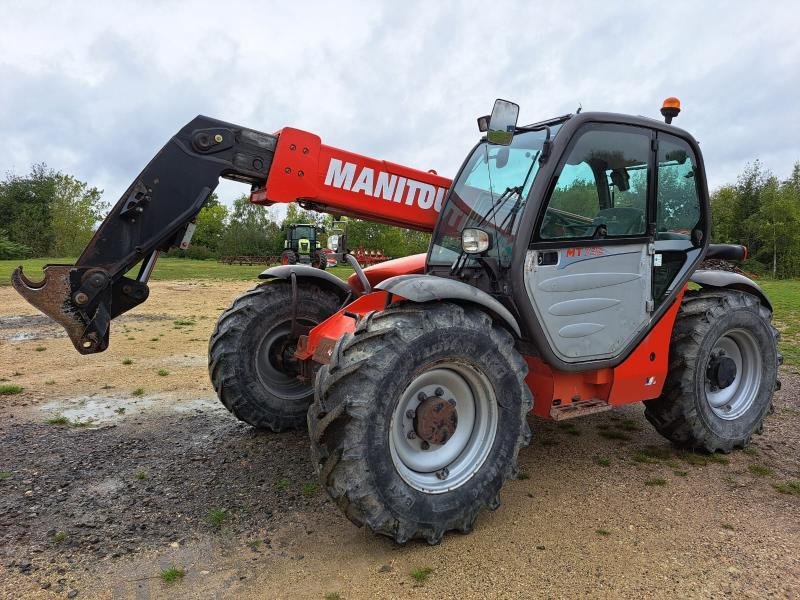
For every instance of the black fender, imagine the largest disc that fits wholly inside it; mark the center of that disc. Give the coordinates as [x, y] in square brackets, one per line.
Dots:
[709, 278]
[426, 288]
[325, 279]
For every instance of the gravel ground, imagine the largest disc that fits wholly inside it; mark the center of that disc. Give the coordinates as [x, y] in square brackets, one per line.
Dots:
[134, 483]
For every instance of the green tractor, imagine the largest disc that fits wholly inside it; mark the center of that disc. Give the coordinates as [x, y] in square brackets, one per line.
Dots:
[302, 245]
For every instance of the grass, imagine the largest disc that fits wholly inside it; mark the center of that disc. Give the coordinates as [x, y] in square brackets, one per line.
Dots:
[421, 574]
[140, 475]
[727, 526]
[59, 537]
[167, 269]
[138, 392]
[127, 361]
[760, 470]
[603, 462]
[611, 434]
[216, 517]
[603, 532]
[40, 348]
[656, 481]
[5, 475]
[163, 372]
[789, 487]
[523, 475]
[283, 484]
[178, 323]
[9, 389]
[309, 489]
[173, 573]
[58, 420]
[50, 382]
[570, 428]
[333, 596]
[783, 295]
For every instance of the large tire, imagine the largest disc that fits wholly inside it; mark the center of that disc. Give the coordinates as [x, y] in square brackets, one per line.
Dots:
[697, 410]
[359, 403]
[319, 260]
[289, 257]
[249, 354]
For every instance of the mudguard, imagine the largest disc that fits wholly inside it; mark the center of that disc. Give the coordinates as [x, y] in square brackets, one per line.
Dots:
[309, 272]
[725, 279]
[425, 288]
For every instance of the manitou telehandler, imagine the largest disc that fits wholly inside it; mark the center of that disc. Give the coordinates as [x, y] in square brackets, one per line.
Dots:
[556, 282]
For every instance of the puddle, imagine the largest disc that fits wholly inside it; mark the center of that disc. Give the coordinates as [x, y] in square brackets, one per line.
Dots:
[93, 410]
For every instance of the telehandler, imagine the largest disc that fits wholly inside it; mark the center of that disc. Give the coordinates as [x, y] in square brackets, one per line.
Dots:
[557, 282]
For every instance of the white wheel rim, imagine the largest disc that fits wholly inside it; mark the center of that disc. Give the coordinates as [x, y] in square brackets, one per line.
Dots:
[444, 467]
[733, 401]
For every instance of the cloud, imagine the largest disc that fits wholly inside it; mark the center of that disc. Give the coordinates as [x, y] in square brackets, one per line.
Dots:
[96, 89]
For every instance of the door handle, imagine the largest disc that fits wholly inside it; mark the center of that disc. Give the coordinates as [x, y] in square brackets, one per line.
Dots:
[546, 258]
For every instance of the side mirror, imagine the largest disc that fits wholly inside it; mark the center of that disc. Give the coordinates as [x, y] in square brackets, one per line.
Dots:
[502, 122]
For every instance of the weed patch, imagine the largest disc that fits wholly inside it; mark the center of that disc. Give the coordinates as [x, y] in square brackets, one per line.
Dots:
[9, 389]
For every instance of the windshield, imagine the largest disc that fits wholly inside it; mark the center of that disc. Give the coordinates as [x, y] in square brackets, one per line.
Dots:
[490, 194]
[303, 231]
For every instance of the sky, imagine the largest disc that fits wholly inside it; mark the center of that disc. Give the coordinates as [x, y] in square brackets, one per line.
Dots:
[95, 89]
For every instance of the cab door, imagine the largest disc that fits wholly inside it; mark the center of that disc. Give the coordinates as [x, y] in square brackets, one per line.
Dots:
[588, 271]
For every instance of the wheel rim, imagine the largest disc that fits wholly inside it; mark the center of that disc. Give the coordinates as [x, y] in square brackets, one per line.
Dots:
[735, 399]
[272, 361]
[444, 467]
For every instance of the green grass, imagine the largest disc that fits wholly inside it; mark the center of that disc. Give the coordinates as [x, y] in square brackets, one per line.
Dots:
[522, 476]
[127, 361]
[50, 382]
[60, 537]
[167, 269]
[309, 489]
[216, 517]
[611, 434]
[40, 348]
[283, 484]
[333, 596]
[421, 574]
[163, 372]
[58, 420]
[656, 481]
[760, 470]
[173, 573]
[138, 392]
[790, 487]
[783, 295]
[9, 389]
[140, 475]
[5, 475]
[603, 532]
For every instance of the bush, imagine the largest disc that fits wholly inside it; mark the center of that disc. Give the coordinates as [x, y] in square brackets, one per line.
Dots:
[193, 252]
[11, 250]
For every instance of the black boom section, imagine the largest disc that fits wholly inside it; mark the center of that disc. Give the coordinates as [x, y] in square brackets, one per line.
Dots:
[152, 215]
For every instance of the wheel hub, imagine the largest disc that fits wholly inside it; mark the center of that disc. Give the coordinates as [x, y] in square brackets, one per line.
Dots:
[721, 371]
[436, 419]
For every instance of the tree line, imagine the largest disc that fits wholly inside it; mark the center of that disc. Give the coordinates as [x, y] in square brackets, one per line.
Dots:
[47, 213]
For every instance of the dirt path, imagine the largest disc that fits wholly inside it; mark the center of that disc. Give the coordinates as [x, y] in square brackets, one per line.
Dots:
[150, 471]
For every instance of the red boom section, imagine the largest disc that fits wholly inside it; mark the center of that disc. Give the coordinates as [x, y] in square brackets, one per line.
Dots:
[336, 181]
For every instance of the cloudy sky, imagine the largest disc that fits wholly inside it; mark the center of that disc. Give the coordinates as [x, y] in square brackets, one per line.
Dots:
[95, 89]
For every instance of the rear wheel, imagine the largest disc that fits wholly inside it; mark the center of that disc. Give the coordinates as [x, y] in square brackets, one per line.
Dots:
[251, 353]
[723, 371]
[418, 419]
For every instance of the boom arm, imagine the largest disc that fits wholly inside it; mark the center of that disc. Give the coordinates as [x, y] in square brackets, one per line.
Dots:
[157, 212]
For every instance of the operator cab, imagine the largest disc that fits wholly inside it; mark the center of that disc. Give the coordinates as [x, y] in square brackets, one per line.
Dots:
[585, 226]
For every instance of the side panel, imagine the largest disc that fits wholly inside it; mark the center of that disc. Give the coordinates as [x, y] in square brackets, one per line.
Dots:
[639, 377]
[304, 169]
[591, 301]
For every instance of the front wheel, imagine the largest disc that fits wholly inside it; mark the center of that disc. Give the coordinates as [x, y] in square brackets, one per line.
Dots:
[418, 419]
[722, 373]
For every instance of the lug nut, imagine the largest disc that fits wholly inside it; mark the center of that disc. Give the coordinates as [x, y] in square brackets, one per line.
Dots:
[81, 298]
[424, 445]
[439, 391]
[410, 413]
[452, 401]
[411, 435]
[421, 397]
[443, 473]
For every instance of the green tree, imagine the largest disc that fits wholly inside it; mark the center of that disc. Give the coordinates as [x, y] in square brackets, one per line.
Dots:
[75, 210]
[210, 224]
[250, 231]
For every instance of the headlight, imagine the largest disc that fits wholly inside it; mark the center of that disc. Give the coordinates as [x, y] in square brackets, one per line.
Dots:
[474, 241]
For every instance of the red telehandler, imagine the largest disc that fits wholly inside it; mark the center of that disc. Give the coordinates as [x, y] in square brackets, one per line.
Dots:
[556, 282]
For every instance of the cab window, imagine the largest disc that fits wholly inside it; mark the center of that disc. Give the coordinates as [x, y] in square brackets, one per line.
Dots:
[601, 190]
[678, 199]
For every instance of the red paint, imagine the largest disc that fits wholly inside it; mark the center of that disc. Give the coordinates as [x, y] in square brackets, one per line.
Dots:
[331, 329]
[625, 383]
[301, 171]
[407, 265]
